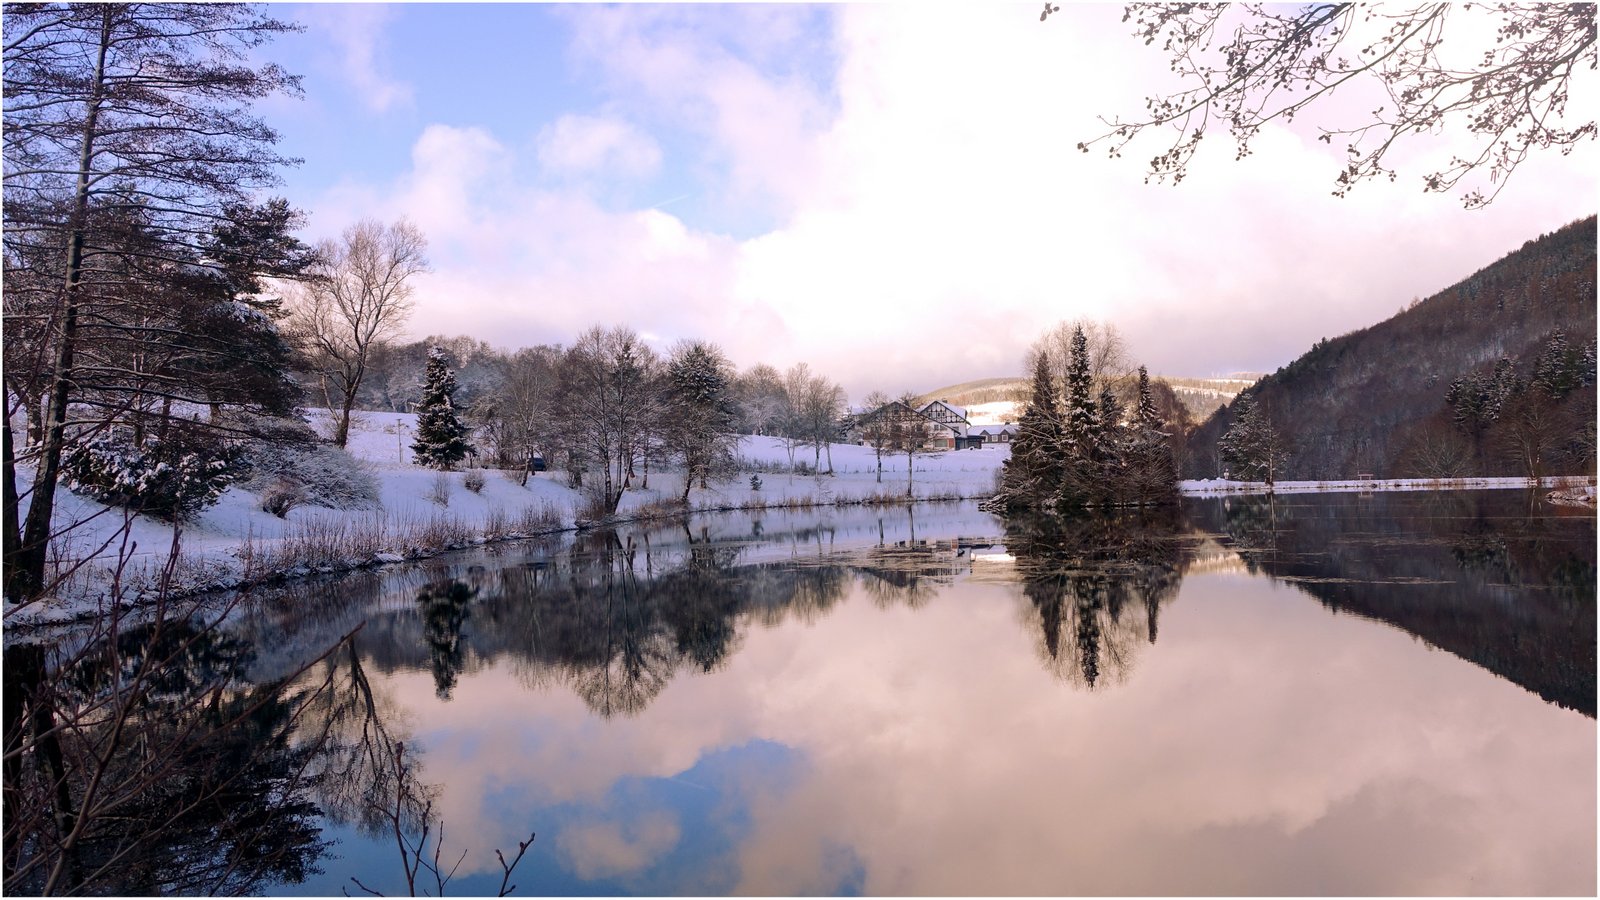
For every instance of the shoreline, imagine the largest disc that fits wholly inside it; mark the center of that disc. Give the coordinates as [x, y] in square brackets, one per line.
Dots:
[1217, 487]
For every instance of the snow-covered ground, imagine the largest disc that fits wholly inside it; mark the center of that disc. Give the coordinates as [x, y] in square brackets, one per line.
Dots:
[1215, 486]
[422, 511]
[998, 412]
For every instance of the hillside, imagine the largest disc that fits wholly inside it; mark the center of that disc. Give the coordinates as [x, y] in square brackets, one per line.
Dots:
[1201, 396]
[1375, 400]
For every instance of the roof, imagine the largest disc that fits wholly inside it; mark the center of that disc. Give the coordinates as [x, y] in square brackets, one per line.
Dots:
[1007, 428]
[960, 411]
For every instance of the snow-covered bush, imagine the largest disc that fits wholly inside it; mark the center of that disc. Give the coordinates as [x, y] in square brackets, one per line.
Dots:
[327, 476]
[281, 496]
[473, 480]
[172, 479]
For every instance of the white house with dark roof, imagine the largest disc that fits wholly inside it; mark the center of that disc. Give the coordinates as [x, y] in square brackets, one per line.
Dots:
[948, 415]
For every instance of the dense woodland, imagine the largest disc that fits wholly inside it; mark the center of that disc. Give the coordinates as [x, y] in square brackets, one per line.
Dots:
[1491, 376]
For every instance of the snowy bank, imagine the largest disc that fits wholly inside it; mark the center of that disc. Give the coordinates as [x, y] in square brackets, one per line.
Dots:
[1217, 486]
[419, 512]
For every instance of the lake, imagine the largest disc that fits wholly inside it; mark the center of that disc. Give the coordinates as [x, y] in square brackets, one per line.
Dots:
[1315, 694]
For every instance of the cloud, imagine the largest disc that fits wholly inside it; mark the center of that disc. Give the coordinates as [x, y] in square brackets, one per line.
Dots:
[608, 849]
[356, 34]
[948, 760]
[597, 145]
[929, 215]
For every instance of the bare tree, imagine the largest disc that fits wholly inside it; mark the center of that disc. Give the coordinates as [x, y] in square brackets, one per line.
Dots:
[760, 399]
[877, 427]
[361, 298]
[1108, 354]
[821, 403]
[605, 400]
[1244, 66]
[791, 425]
[517, 416]
[909, 432]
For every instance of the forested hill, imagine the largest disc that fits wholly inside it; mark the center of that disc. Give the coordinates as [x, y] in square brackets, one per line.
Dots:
[1380, 400]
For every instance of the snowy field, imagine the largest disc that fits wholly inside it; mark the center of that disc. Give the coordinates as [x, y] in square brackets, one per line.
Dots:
[420, 511]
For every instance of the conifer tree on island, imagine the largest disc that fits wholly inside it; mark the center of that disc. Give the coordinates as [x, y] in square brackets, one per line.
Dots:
[1075, 452]
[441, 435]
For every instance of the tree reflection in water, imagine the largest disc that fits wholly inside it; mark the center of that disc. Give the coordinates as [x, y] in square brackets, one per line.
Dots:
[1096, 584]
[444, 611]
[145, 763]
[1441, 566]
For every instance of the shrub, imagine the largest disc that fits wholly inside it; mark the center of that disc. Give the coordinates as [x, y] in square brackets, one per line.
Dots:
[439, 490]
[327, 476]
[173, 479]
[281, 496]
[473, 480]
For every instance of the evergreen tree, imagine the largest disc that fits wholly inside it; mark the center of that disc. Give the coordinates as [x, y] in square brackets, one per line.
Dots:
[1031, 477]
[1078, 481]
[1079, 417]
[1152, 472]
[1253, 448]
[441, 436]
[1146, 414]
[701, 412]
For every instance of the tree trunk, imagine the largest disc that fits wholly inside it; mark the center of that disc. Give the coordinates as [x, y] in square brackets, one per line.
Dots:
[25, 560]
[341, 433]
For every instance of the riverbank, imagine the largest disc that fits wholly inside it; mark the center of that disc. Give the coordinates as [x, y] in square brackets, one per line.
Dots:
[418, 512]
[1218, 486]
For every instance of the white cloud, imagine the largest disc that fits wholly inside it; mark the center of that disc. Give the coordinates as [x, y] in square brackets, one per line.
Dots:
[934, 214]
[607, 849]
[597, 145]
[356, 33]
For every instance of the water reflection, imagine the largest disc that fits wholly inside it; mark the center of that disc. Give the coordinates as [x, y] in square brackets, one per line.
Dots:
[1096, 585]
[1495, 577]
[839, 704]
[145, 764]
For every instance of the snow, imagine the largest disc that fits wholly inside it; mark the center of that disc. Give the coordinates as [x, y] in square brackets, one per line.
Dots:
[1217, 486]
[234, 542]
[996, 413]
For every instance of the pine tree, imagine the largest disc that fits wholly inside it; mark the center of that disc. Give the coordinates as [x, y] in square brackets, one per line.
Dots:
[1253, 448]
[699, 401]
[1146, 414]
[1031, 477]
[441, 436]
[1079, 416]
[1152, 472]
[1079, 480]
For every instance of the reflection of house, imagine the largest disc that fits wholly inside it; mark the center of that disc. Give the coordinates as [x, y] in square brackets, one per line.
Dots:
[993, 434]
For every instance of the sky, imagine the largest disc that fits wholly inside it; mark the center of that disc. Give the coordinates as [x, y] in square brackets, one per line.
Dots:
[889, 193]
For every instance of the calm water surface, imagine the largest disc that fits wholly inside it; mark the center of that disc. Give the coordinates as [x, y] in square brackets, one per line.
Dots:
[1321, 694]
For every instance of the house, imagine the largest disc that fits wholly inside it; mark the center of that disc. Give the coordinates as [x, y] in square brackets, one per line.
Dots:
[994, 434]
[894, 422]
[954, 417]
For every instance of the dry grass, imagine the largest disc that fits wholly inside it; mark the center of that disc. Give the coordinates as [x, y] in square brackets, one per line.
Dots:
[326, 544]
